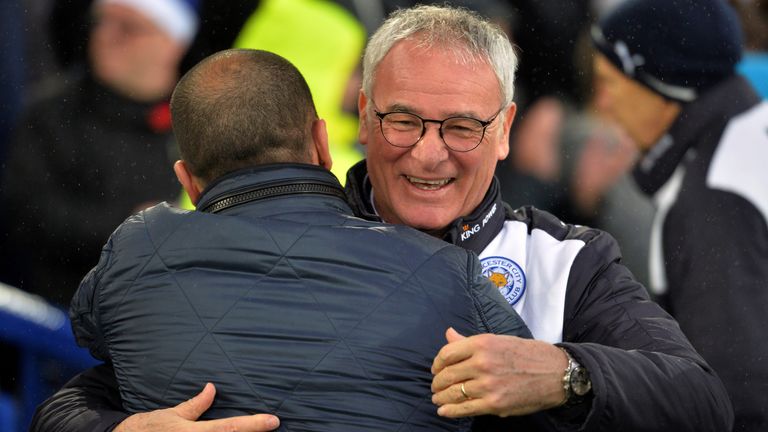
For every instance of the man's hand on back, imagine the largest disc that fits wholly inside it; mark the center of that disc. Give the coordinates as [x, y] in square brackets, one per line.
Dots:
[183, 417]
[501, 375]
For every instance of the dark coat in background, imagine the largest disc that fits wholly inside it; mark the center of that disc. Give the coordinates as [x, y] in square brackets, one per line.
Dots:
[709, 250]
[82, 160]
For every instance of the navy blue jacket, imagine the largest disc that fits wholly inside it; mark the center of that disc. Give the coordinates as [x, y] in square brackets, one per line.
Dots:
[573, 290]
[288, 303]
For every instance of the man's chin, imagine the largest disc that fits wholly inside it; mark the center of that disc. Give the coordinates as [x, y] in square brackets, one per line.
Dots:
[434, 226]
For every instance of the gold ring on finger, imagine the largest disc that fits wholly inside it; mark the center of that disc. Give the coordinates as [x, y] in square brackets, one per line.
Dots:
[464, 392]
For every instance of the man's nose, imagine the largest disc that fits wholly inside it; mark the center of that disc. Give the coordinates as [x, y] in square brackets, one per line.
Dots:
[430, 150]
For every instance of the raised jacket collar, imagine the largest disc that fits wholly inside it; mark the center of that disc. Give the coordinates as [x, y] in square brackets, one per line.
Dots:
[271, 182]
[474, 231]
[695, 125]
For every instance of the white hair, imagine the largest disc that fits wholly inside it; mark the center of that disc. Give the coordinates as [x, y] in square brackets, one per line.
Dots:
[464, 34]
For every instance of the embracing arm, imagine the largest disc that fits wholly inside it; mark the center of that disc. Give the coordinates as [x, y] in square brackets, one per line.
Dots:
[91, 402]
[639, 361]
[502, 372]
[645, 374]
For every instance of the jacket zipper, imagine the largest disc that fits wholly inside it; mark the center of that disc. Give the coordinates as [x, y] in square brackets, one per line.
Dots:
[272, 191]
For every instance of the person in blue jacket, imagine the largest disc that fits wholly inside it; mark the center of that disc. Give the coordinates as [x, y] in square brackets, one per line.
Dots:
[272, 289]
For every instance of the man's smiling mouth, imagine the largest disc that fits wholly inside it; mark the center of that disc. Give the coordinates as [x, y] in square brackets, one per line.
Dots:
[428, 184]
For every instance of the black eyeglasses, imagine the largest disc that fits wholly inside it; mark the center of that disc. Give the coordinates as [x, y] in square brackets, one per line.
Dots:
[460, 134]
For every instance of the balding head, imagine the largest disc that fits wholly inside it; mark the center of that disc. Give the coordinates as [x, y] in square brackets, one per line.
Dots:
[240, 108]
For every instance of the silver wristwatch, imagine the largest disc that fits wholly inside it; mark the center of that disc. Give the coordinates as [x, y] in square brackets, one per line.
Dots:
[576, 382]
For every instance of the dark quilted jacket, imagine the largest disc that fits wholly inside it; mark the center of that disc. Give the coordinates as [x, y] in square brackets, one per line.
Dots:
[285, 301]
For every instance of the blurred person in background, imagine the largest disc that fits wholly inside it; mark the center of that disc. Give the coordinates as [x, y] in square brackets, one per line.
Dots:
[94, 148]
[666, 72]
[563, 157]
[546, 34]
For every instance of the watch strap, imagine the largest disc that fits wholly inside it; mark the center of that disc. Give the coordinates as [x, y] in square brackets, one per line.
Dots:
[575, 372]
[567, 376]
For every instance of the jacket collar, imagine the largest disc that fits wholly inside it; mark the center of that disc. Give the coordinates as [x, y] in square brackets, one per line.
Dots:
[695, 124]
[268, 182]
[474, 231]
[359, 192]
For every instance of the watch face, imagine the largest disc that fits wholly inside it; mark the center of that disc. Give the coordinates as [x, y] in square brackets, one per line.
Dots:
[580, 382]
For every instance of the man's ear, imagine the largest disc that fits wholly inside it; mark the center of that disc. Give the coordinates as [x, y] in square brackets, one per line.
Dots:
[322, 153]
[188, 181]
[509, 118]
[362, 132]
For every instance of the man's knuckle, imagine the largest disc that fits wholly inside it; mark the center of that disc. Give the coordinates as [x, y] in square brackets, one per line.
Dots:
[231, 427]
[483, 385]
[495, 402]
[448, 376]
[484, 362]
[440, 359]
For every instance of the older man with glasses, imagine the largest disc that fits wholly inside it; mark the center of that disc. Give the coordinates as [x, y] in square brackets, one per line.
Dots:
[436, 109]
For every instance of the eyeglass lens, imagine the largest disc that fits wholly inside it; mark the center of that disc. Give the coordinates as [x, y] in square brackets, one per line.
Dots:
[406, 129]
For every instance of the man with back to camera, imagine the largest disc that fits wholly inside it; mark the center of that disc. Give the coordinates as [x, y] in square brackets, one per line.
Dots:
[606, 357]
[268, 287]
[666, 72]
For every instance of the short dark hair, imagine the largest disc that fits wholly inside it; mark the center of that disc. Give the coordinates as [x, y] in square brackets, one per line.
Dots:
[239, 108]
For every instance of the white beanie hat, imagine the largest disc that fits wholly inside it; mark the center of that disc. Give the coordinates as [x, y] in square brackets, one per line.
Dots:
[178, 18]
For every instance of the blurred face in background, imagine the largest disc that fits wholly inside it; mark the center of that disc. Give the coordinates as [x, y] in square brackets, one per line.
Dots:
[131, 54]
[644, 115]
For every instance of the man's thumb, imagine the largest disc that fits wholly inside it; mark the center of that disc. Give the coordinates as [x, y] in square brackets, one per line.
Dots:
[452, 335]
[195, 407]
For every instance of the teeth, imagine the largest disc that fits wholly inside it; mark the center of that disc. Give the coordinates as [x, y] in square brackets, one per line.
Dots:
[428, 184]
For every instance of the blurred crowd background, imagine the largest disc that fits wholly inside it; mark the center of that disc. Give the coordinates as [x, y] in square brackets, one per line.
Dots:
[85, 135]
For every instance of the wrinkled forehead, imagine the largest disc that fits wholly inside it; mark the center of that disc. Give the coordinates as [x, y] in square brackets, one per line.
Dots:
[423, 52]
[456, 49]
[437, 73]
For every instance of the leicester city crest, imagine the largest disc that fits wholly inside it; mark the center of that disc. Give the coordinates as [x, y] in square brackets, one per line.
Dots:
[507, 275]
